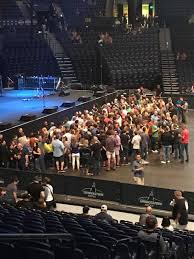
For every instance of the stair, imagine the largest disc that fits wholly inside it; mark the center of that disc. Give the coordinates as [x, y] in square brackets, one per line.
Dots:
[169, 74]
[64, 62]
[23, 6]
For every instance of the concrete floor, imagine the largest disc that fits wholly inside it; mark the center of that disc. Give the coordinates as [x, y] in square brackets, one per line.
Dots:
[171, 176]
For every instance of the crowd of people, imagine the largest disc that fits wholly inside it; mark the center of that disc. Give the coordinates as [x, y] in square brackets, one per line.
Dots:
[124, 131]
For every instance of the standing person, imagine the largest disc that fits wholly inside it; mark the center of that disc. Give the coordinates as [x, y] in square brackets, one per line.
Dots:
[124, 148]
[48, 153]
[144, 144]
[184, 144]
[21, 155]
[96, 155]
[117, 148]
[184, 111]
[176, 141]
[159, 91]
[12, 187]
[48, 190]
[136, 141]
[180, 210]
[138, 170]
[58, 153]
[166, 142]
[4, 154]
[179, 108]
[36, 156]
[110, 150]
[154, 138]
[75, 154]
[41, 158]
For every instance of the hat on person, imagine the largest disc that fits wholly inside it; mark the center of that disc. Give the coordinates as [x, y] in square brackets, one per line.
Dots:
[104, 207]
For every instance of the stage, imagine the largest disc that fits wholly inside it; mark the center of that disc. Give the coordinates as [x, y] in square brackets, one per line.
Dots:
[15, 103]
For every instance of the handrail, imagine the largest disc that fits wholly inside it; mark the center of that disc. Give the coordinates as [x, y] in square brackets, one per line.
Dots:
[34, 236]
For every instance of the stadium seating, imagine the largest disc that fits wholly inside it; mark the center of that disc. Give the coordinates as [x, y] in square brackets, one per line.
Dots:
[168, 11]
[29, 54]
[9, 10]
[133, 58]
[85, 237]
[80, 8]
[183, 40]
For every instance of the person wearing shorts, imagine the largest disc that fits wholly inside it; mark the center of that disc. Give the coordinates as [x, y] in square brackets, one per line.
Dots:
[58, 153]
[138, 171]
[110, 150]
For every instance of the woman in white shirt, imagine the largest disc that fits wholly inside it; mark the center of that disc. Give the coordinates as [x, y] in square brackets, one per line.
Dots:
[48, 190]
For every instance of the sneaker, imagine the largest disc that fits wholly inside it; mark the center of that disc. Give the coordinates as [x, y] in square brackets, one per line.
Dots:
[163, 162]
[168, 161]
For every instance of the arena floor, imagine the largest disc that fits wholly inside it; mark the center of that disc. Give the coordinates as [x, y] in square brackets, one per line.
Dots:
[171, 176]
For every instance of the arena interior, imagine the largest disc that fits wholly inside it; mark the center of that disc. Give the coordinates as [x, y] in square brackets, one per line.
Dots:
[96, 129]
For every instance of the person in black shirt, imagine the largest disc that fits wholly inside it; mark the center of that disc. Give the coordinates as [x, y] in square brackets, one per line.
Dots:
[103, 215]
[21, 155]
[158, 91]
[36, 190]
[166, 142]
[180, 210]
[4, 154]
[85, 213]
[125, 147]
[96, 155]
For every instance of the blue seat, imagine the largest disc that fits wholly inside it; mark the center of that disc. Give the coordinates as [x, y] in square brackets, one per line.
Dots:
[34, 253]
[95, 251]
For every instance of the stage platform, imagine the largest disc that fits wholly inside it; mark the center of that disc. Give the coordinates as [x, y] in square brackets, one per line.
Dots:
[15, 103]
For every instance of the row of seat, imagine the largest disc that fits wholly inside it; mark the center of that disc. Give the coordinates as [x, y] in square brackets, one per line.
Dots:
[85, 237]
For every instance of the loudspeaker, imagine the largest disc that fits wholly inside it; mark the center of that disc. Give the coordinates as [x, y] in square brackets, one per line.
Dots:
[27, 117]
[84, 99]
[68, 104]
[64, 93]
[100, 93]
[76, 86]
[50, 110]
[5, 125]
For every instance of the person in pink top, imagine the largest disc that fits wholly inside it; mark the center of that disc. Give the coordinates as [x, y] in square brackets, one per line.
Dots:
[184, 143]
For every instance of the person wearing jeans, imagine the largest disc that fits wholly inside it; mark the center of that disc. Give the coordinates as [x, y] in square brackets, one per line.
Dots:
[166, 141]
[184, 143]
[96, 155]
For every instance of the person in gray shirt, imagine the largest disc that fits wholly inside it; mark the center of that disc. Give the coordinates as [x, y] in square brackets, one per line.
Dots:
[150, 235]
[142, 218]
[58, 153]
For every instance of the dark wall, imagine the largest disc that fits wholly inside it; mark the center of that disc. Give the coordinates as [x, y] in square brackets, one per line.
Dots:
[122, 193]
